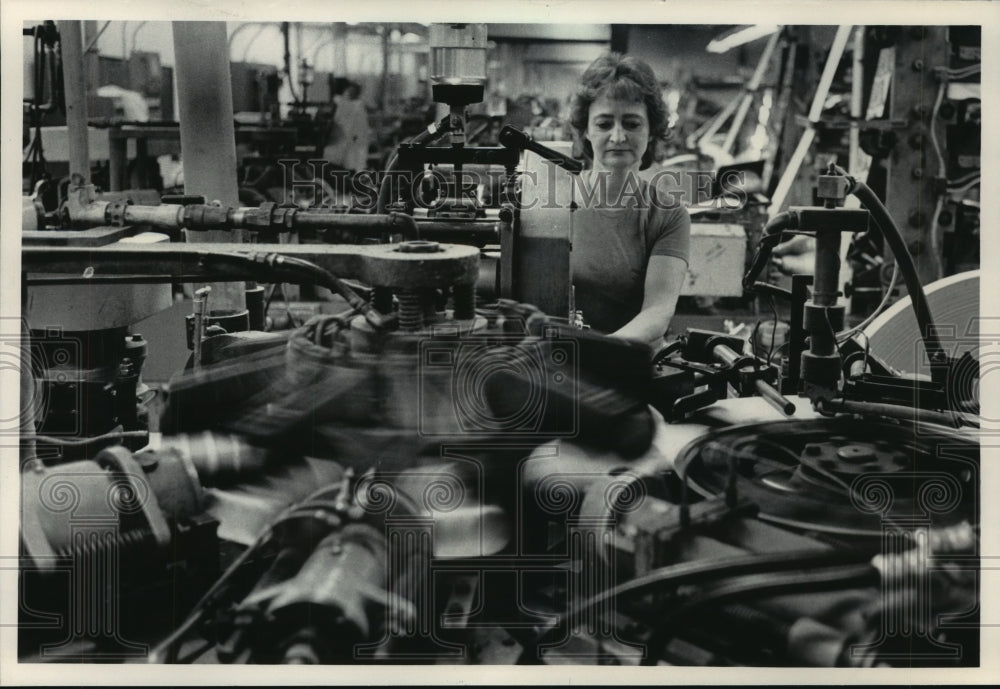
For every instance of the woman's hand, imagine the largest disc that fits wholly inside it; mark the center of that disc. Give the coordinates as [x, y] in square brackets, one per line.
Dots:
[664, 277]
[795, 256]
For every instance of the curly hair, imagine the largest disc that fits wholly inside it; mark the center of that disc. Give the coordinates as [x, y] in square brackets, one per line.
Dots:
[621, 77]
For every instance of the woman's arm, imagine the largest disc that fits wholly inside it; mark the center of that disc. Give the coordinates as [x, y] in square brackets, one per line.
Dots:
[664, 277]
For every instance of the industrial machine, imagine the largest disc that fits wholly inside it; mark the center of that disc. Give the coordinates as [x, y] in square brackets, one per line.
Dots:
[433, 476]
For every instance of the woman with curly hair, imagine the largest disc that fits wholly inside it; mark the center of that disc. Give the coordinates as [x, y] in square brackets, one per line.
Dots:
[631, 236]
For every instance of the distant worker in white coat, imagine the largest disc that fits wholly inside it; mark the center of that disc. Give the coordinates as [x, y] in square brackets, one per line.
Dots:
[351, 132]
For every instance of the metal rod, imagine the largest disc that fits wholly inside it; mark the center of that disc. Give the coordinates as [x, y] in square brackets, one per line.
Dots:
[775, 398]
[796, 336]
[94, 40]
[208, 136]
[897, 411]
[829, 70]
[819, 100]
[378, 265]
[826, 268]
[200, 309]
[751, 89]
[75, 85]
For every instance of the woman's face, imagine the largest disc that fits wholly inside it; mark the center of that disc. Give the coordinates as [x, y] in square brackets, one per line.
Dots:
[618, 131]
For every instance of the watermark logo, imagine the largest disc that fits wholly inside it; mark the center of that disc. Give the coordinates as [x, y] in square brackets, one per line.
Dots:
[514, 386]
[44, 366]
[315, 183]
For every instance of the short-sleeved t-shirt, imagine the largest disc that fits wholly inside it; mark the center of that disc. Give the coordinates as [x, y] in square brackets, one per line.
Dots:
[613, 241]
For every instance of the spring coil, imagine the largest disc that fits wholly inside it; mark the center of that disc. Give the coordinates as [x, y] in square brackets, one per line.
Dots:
[465, 301]
[126, 541]
[411, 313]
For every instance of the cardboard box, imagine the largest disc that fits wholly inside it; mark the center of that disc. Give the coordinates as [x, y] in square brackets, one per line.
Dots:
[718, 257]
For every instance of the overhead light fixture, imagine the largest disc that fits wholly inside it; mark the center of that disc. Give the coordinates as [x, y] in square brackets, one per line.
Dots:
[739, 36]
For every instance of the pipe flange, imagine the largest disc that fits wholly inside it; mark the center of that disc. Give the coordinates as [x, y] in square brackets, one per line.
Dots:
[116, 213]
[121, 458]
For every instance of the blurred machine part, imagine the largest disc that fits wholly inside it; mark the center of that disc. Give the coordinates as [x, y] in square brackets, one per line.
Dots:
[424, 477]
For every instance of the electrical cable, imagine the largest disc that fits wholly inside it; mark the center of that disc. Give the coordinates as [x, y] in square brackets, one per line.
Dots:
[753, 339]
[165, 651]
[959, 73]
[942, 173]
[833, 333]
[959, 181]
[707, 570]
[774, 328]
[434, 131]
[277, 265]
[890, 232]
[774, 290]
[80, 442]
[770, 238]
[883, 305]
[798, 582]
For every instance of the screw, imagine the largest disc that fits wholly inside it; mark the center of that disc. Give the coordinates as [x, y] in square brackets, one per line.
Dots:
[917, 218]
[918, 65]
[917, 172]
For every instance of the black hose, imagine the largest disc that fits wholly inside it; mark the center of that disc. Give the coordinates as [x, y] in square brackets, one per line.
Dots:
[433, 131]
[278, 268]
[902, 255]
[795, 582]
[700, 572]
[897, 245]
[788, 220]
[772, 290]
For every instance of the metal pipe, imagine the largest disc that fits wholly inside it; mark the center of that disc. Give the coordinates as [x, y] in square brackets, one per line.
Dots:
[895, 411]
[751, 90]
[208, 136]
[166, 216]
[200, 309]
[135, 31]
[379, 265]
[826, 268]
[775, 398]
[94, 40]
[857, 98]
[392, 222]
[75, 85]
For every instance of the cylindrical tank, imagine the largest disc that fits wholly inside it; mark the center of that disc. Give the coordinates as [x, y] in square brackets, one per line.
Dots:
[458, 63]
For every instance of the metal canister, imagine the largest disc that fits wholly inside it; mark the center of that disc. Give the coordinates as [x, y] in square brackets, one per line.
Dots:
[458, 63]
